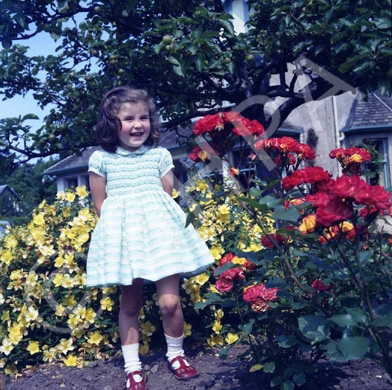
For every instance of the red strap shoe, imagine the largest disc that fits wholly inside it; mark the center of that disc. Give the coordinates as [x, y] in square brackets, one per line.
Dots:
[131, 384]
[182, 369]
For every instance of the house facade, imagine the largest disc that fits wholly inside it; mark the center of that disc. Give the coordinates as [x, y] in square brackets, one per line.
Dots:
[10, 203]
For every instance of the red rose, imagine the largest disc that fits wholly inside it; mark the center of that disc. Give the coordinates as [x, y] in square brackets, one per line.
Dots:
[376, 196]
[320, 286]
[278, 238]
[315, 174]
[198, 155]
[333, 212]
[224, 285]
[232, 117]
[363, 153]
[226, 259]
[347, 187]
[259, 296]
[305, 152]
[337, 153]
[318, 199]
[233, 273]
[247, 127]
[207, 124]
[287, 144]
[289, 182]
[367, 212]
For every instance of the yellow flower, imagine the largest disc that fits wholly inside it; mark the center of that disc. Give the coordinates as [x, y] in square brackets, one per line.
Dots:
[5, 316]
[6, 347]
[95, 338]
[33, 347]
[6, 257]
[81, 192]
[147, 328]
[217, 327]
[59, 261]
[69, 301]
[107, 304]
[202, 186]
[42, 204]
[15, 334]
[70, 361]
[231, 338]
[31, 314]
[175, 193]
[60, 310]
[187, 329]
[90, 315]
[60, 195]
[201, 279]
[39, 219]
[216, 252]
[144, 348]
[58, 280]
[70, 196]
[215, 340]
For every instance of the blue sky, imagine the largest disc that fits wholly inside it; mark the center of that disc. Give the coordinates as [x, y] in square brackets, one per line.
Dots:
[41, 44]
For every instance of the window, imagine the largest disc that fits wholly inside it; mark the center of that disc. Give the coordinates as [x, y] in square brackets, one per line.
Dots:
[71, 182]
[382, 177]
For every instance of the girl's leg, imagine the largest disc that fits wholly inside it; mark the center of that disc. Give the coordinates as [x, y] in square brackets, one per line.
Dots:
[170, 305]
[131, 303]
[173, 325]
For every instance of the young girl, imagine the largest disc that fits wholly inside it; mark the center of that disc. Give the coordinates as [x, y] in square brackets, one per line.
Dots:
[141, 232]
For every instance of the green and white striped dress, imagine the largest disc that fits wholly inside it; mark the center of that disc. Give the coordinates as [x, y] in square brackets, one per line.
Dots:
[141, 232]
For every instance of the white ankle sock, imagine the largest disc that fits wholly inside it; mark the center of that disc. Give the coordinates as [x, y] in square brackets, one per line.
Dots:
[132, 361]
[174, 346]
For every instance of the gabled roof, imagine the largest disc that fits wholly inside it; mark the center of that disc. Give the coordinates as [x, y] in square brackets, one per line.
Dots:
[4, 188]
[374, 114]
[169, 139]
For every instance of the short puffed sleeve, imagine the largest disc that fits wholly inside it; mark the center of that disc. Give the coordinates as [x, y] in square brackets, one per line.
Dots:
[165, 163]
[96, 164]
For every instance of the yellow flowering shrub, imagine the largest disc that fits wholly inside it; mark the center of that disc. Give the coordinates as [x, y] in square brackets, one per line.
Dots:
[47, 313]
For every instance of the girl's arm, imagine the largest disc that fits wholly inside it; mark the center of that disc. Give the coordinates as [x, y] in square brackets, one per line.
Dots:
[98, 190]
[167, 182]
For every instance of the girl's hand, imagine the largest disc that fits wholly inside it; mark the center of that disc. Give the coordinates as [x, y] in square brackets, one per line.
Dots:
[98, 190]
[167, 182]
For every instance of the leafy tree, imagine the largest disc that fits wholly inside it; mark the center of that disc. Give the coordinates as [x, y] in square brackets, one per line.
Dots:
[26, 181]
[187, 55]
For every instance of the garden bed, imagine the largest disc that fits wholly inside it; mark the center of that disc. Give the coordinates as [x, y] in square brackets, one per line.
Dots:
[214, 374]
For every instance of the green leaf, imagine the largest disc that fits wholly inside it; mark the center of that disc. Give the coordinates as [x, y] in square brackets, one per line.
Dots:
[383, 22]
[228, 25]
[299, 378]
[253, 203]
[255, 192]
[291, 214]
[189, 219]
[314, 328]
[248, 327]
[357, 314]
[158, 47]
[173, 61]
[55, 36]
[6, 43]
[298, 305]
[287, 341]
[353, 347]
[344, 320]
[276, 381]
[269, 368]
[178, 71]
[287, 385]
[385, 313]
[223, 353]
[225, 267]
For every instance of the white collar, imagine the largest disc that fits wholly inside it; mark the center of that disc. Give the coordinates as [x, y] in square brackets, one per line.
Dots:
[125, 152]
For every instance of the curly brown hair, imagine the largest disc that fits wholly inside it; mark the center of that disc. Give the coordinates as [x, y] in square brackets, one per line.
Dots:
[109, 124]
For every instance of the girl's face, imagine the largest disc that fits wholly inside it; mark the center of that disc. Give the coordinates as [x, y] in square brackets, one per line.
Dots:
[135, 125]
